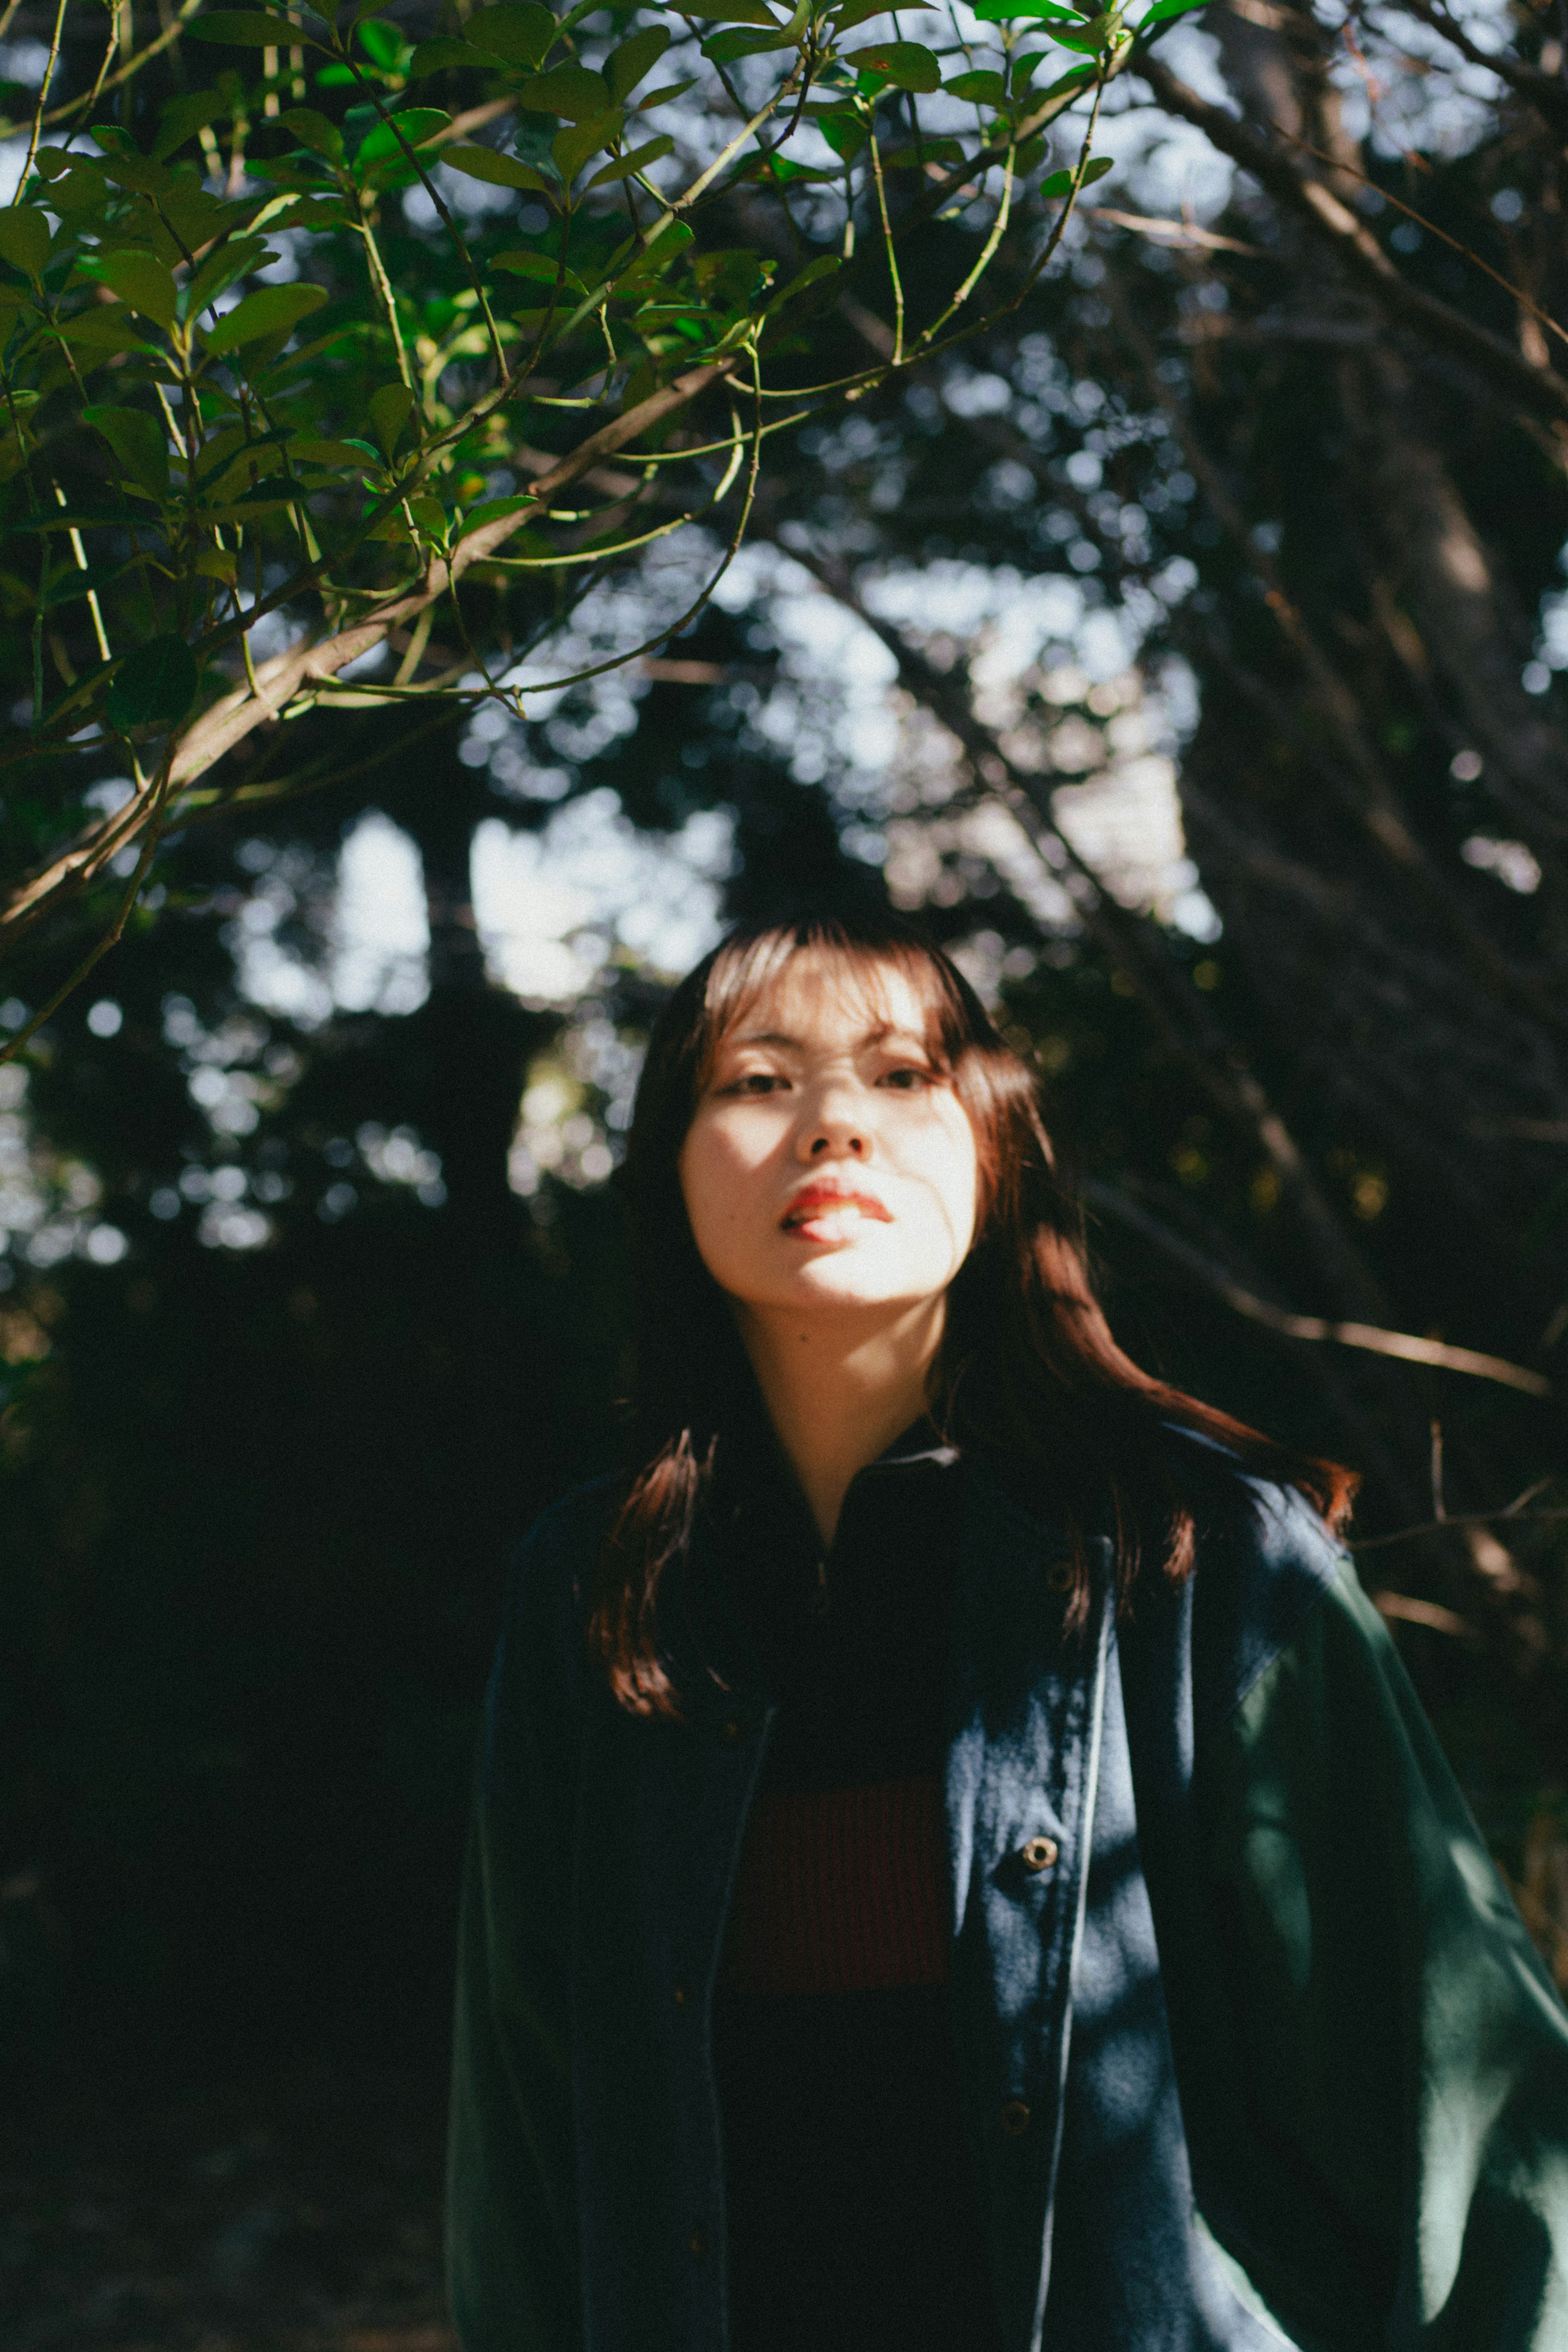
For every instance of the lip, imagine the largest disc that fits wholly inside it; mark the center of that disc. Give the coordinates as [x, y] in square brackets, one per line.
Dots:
[814, 1204]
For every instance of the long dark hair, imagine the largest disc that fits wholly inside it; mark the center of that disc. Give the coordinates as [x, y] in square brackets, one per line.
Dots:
[1028, 1369]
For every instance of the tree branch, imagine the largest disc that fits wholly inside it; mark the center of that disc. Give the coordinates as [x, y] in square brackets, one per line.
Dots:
[1195, 1037]
[277, 681]
[1377, 1341]
[1540, 389]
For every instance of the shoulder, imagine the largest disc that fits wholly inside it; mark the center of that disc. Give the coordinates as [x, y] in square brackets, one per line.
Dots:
[556, 1556]
[549, 1581]
[1265, 1563]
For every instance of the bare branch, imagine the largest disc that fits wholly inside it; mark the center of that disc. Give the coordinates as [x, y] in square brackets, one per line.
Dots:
[1539, 389]
[1403, 1345]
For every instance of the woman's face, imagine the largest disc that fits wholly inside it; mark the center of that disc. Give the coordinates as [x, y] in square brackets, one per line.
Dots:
[828, 1165]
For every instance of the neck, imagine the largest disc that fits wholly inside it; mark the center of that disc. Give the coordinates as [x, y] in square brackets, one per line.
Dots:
[838, 1389]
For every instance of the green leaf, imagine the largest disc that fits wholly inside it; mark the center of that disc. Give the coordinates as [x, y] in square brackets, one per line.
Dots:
[323, 213]
[270, 310]
[139, 173]
[538, 267]
[382, 44]
[661, 96]
[783, 169]
[280, 492]
[569, 90]
[500, 171]
[1163, 10]
[25, 238]
[906, 64]
[183, 116]
[154, 685]
[247, 29]
[983, 88]
[636, 59]
[140, 280]
[735, 11]
[1060, 183]
[417, 124]
[930, 150]
[317, 132]
[638, 160]
[338, 455]
[82, 192]
[137, 442]
[389, 411]
[859, 11]
[438, 56]
[823, 267]
[77, 583]
[572, 148]
[104, 328]
[491, 510]
[724, 47]
[652, 262]
[846, 134]
[1002, 12]
[732, 276]
[81, 518]
[219, 271]
[520, 31]
[1075, 78]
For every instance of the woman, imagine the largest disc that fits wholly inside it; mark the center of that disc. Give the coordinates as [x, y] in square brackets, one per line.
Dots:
[957, 1864]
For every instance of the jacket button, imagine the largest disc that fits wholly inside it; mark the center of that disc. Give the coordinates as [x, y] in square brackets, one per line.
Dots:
[699, 2243]
[1015, 2118]
[1038, 1852]
[682, 1993]
[729, 1731]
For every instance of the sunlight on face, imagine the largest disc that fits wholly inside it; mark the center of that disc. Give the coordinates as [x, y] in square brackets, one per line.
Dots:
[828, 1166]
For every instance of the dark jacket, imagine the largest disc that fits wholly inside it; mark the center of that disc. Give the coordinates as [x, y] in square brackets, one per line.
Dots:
[1265, 2053]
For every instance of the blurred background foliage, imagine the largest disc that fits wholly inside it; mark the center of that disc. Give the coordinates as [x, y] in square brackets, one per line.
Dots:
[1186, 654]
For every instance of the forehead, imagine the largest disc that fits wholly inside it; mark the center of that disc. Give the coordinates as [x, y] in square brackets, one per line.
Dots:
[827, 1000]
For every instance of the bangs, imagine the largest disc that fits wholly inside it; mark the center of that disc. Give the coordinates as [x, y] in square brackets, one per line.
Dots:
[953, 1022]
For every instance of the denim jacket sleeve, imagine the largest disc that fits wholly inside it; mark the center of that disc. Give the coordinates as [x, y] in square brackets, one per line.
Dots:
[513, 2265]
[1400, 2095]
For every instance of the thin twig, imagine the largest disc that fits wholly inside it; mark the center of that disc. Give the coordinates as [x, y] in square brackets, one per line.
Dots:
[38, 129]
[1458, 1519]
[1403, 1345]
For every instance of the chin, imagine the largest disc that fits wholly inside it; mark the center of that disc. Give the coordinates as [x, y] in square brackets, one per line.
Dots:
[829, 1286]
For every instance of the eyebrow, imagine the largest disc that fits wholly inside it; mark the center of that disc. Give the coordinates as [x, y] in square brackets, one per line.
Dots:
[878, 1036]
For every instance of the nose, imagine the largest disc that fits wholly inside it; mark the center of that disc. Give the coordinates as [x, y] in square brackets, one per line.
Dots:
[833, 1128]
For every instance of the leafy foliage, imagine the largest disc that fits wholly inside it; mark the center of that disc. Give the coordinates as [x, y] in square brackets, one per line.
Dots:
[227, 480]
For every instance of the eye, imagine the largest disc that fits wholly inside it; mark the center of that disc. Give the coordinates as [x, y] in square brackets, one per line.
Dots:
[754, 1083]
[908, 1079]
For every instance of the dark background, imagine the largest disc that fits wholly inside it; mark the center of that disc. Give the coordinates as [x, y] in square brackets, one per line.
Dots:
[257, 1505]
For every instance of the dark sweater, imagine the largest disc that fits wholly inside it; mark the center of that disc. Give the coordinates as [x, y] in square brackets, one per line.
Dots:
[853, 2219]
